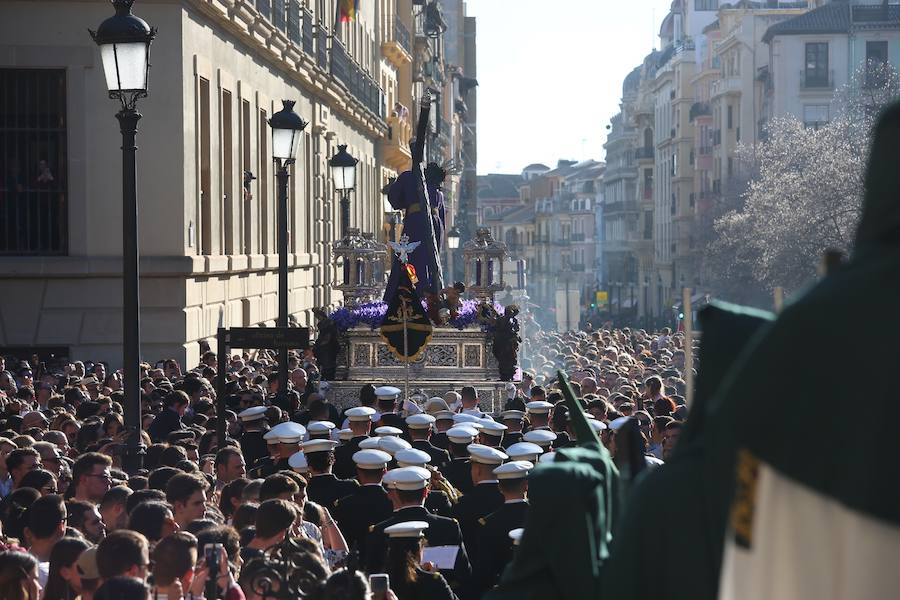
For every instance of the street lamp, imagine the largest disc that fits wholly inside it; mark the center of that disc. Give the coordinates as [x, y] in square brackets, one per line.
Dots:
[124, 41]
[453, 238]
[286, 127]
[343, 174]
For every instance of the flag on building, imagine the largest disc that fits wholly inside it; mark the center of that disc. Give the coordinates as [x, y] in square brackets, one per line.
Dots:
[347, 10]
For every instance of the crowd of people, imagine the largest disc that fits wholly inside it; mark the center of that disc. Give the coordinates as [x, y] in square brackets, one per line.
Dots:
[304, 498]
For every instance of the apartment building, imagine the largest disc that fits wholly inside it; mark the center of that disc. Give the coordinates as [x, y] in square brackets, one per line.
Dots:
[207, 233]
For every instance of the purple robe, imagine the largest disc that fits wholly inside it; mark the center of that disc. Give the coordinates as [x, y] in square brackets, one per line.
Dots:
[403, 195]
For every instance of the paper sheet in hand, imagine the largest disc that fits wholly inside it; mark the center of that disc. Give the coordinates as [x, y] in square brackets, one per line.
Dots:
[443, 557]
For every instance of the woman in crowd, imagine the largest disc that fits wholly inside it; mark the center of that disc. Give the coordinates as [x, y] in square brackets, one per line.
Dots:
[64, 581]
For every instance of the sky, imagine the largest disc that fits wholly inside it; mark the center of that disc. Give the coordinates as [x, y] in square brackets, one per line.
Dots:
[550, 75]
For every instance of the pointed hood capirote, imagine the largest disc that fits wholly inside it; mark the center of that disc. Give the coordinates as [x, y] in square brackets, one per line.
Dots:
[880, 221]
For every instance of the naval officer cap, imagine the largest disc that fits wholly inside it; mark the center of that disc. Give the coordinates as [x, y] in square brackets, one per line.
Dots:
[516, 535]
[443, 415]
[411, 457]
[254, 413]
[297, 462]
[370, 443]
[371, 459]
[461, 434]
[491, 427]
[616, 424]
[387, 392]
[420, 421]
[360, 413]
[541, 437]
[312, 446]
[387, 430]
[407, 529]
[597, 425]
[407, 478]
[320, 427]
[547, 457]
[392, 444]
[512, 415]
[538, 407]
[515, 469]
[485, 454]
[287, 432]
[465, 418]
[345, 435]
[524, 451]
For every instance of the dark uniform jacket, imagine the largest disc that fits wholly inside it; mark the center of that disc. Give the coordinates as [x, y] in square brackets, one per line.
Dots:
[459, 473]
[439, 440]
[495, 548]
[484, 499]
[438, 503]
[355, 513]
[327, 489]
[253, 446]
[165, 423]
[442, 531]
[262, 468]
[428, 586]
[392, 420]
[439, 456]
[344, 467]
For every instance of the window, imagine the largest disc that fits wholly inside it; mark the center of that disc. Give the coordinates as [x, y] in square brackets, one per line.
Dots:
[816, 74]
[264, 158]
[227, 172]
[33, 141]
[730, 117]
[876, 57]
[815, 115]
[206, 231]
[247, 168]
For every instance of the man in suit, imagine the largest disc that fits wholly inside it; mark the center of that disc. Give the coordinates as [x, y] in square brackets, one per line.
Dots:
[443, 422]
[169, 420]
[457, 471]
[437, 501]
[287, 436]
[324, 488]
[408, 488]
[368, 504]
[360, 421]
[420, 427]
[539, 414]
[484, 497]
[495, 548]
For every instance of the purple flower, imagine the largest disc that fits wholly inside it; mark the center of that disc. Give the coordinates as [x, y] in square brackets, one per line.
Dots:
[372, 314]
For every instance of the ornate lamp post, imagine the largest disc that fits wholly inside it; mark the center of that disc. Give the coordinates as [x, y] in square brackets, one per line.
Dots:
[124, 41]
[483, 258]
[286, 127]
[359, 264]
[343, 174]
[453, 238]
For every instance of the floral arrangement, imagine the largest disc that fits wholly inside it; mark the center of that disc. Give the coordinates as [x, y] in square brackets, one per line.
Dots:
[372, 314]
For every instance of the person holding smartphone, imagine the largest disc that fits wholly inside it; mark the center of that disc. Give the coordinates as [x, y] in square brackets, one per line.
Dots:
[407, 577]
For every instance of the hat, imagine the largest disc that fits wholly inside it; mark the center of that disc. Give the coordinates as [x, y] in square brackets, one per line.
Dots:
[485, 454]
[547, 457]
[524, 451]
[443, 415]
[434, 405]
[371, 459]
[345, 435]
[461, 434]
[254, 413]
[318, 446]
[512, 415]
[465, 418]
[541, 437]
[287, 432]
[360, 413]
[297, 462]
[409, 529]
[411, 457]
[392, 444]
[597, 425]
[370, 443]
[516, 469]
[491, 427]
[387, 431]
[387, 392]
[320, 427]
[408, 478]
[420, 421]
[616, 424]
[516, 535]
[87, 564]
[538, 407]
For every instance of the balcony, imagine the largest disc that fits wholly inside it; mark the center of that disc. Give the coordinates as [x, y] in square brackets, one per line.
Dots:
[699, 109]
[644, 153]
[726, 85]
[577, 237]
[398, 49]
[397, 153]
[815, 81]
[358, 82]
[617, 207]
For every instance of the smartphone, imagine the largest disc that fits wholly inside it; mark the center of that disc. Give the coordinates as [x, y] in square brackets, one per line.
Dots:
[379, 583]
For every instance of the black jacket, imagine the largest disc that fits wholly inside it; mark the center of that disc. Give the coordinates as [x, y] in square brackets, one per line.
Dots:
[344, 467]
[328, 489]
[366, 506]
[495, 548]
[253, 446]
[439, 456]
[165, 423]
[459, 473]
[484, 499]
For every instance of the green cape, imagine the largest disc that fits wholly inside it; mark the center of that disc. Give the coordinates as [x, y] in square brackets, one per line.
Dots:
[668, 543]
